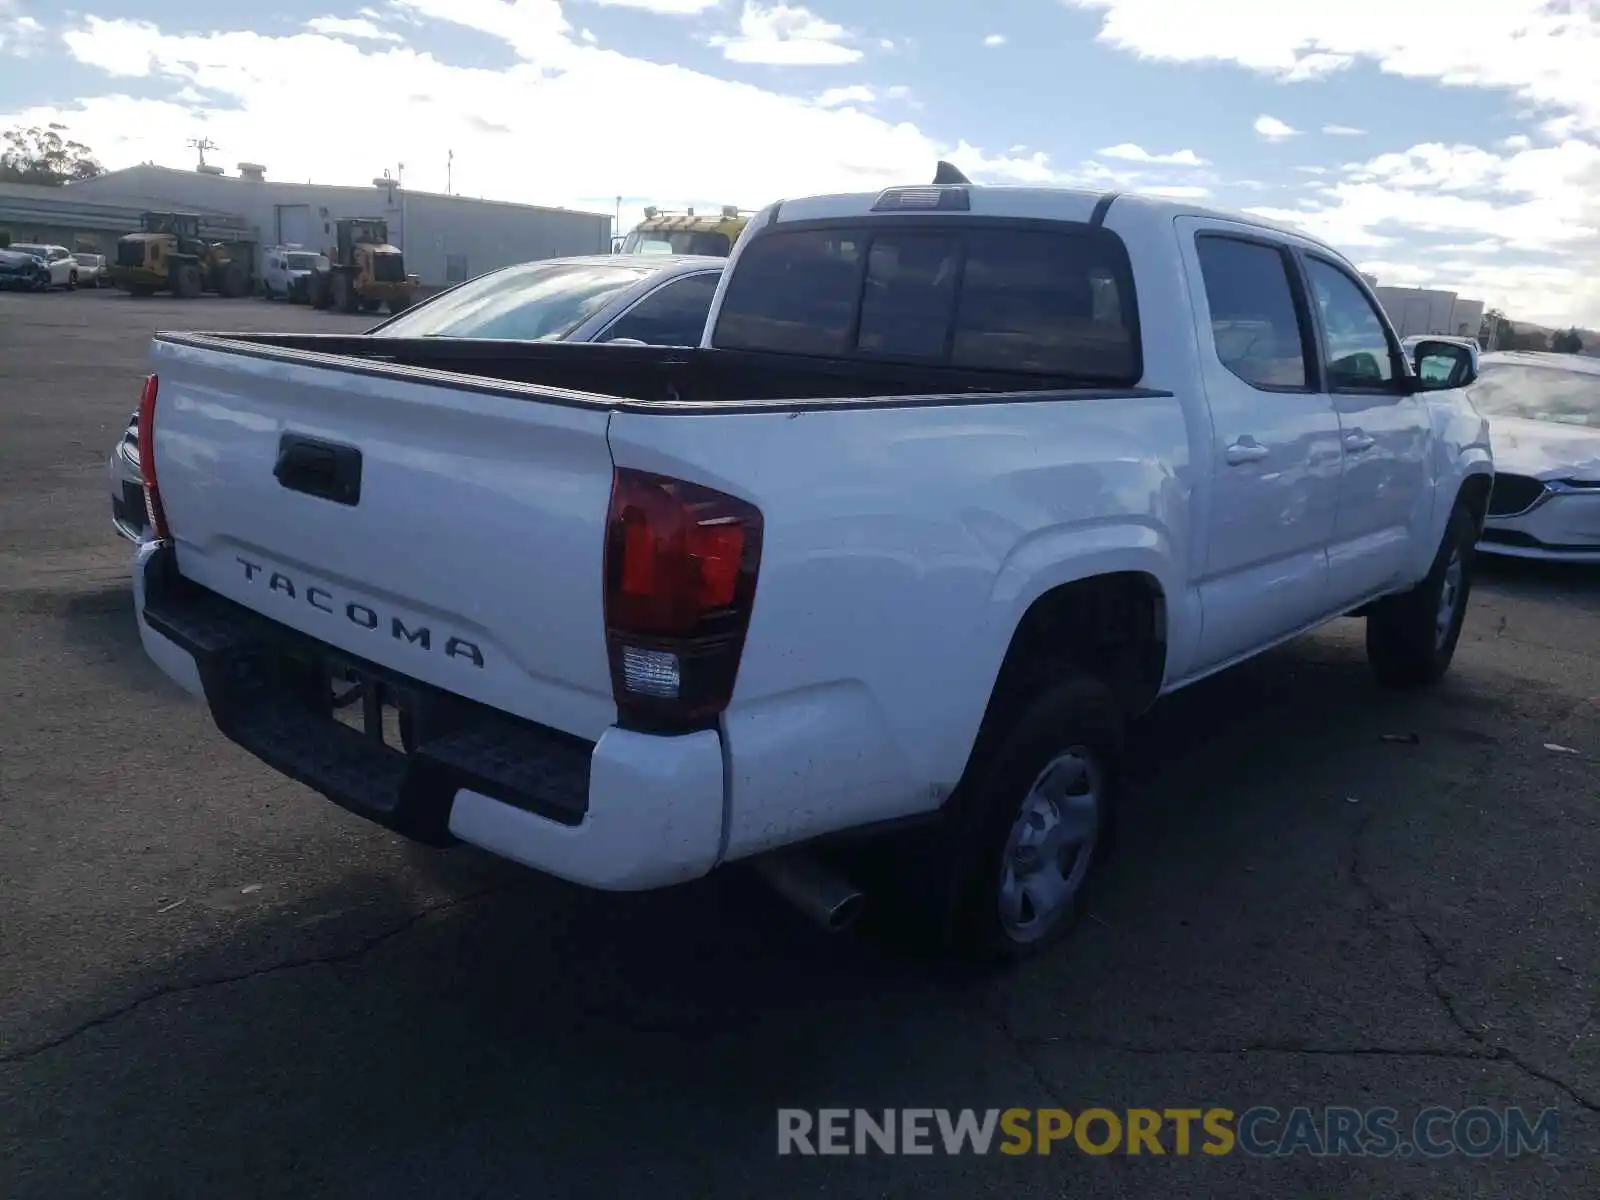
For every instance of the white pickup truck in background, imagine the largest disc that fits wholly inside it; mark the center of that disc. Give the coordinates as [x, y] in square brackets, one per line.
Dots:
[960, 480]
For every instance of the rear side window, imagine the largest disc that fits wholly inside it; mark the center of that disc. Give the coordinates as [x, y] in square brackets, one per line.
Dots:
[672, 315]
[1255, 323]
[1057, 301]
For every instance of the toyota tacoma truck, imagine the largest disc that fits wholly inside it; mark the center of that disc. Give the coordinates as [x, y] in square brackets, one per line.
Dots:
[958, 482]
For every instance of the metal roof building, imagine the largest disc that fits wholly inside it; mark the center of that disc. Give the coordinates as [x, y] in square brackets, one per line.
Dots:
[445, 238]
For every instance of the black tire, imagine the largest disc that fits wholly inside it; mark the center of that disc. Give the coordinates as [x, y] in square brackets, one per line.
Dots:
[234, 282]
[951, 876]
[72, 282]
[186, 281]
[398, 304]
[1410, 641]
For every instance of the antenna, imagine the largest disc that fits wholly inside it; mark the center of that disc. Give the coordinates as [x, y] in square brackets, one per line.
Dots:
[200, 145]
[945, 175]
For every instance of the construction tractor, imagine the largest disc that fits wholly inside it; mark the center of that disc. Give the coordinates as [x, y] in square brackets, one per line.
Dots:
[663, 232]
[169, 254]
[364, 271]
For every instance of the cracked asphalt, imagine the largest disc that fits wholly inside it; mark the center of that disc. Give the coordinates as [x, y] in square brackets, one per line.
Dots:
[214, 983]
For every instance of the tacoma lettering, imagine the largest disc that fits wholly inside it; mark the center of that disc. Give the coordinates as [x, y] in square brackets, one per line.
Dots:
[360, 615]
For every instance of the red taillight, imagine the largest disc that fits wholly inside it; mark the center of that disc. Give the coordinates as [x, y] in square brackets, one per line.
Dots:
[680, 580]
[147, 461]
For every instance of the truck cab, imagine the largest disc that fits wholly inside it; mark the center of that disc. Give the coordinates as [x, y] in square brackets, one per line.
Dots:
[663, 232]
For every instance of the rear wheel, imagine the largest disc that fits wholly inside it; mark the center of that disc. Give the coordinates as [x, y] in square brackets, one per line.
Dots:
[1006, 874]
[398, 304]
[72, 282]
[186, 281]
[1411, 638]
[234, 281]
[344, 295]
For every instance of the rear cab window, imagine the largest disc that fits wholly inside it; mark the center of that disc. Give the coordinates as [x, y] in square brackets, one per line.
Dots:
[1049, 298]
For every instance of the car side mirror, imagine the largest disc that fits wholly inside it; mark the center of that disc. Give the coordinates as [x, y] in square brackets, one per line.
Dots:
[1444, 365]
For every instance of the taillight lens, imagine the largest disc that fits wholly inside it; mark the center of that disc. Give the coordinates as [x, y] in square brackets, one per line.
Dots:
[147, 460]
[680, 580]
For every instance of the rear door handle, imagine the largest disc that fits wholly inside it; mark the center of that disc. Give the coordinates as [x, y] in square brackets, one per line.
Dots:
[326, 470]
[1355, 441]
[1245, 450]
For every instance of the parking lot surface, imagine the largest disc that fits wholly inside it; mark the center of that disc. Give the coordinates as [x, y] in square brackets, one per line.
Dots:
[212, 982]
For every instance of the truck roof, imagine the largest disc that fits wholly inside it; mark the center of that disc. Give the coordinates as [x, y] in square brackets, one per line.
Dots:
[1016, 202]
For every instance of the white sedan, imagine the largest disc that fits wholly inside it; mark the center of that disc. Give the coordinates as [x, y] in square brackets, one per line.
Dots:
[1544, 421]
[58, 259]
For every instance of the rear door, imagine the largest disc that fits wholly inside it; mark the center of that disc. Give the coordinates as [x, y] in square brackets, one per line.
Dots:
[1276, 454]
[1385, 497]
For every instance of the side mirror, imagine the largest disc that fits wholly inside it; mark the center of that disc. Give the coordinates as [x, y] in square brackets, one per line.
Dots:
[1444, 365]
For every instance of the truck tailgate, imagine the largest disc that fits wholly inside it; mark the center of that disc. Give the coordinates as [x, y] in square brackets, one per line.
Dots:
[452, 535]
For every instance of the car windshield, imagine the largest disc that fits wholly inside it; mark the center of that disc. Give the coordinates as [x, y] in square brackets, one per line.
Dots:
[303, 262]
[537, 301]
[1557, 394]
[681, 241]
[29, 248]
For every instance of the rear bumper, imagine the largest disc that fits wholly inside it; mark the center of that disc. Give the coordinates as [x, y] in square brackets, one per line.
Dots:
[628, 812]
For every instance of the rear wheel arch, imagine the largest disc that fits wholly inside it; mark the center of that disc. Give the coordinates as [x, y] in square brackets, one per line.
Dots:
[1111, 627]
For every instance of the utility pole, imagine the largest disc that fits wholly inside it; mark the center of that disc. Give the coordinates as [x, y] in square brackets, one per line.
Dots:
[449, 171]
[200, 145]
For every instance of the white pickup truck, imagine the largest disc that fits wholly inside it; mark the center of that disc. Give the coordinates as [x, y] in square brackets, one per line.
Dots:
[959, 481]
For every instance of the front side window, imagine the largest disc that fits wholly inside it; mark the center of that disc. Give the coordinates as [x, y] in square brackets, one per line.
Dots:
[1255, 325]
[672, 315]
[1554, 394]
[531, 302]
[1355, 344]
[1057, 302]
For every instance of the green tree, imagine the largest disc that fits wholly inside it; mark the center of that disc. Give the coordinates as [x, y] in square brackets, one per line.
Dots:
[44, 156]
[1566, 341]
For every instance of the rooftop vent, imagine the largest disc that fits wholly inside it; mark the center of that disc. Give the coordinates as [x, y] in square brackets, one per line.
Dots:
[254, 172]
[209, 169]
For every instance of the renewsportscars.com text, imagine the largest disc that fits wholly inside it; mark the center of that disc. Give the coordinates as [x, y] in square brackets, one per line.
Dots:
[1260, 1131]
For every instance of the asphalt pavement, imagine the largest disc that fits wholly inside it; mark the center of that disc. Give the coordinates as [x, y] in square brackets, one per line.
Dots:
[212, 982]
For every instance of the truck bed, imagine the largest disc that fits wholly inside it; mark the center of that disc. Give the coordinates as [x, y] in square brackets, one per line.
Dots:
[648, 378]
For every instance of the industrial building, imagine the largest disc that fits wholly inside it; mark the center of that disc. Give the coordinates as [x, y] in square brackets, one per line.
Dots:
[445, 239]
[1425, 311]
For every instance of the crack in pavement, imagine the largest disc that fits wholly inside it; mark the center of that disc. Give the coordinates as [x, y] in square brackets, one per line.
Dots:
[364, 947]
[1438, 962]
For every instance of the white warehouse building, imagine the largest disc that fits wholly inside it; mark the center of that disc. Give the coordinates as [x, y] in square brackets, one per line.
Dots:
[1425, 311]
[445, 239]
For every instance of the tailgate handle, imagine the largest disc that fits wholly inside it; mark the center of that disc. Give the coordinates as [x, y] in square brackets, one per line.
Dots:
[317, 468]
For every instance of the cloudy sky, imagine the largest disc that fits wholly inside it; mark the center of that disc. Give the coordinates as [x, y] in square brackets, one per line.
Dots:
[1449, 143]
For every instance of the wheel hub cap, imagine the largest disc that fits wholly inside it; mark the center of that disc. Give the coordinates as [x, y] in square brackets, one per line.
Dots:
[1051, 844]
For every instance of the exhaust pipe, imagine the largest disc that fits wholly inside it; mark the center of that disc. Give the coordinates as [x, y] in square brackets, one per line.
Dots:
[817, 890]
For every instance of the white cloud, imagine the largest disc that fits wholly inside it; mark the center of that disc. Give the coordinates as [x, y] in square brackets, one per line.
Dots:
[1517, 141]
[1273, 129]
[1522, 228]
[510, 128]
[897, 92]
[995, 39]
[788, 36]
[667, 8]
[1540, 51]
[855, 94]
[351, 27]
[1132, 153]
[1343, 131]
[588, 36]
[20, 34]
